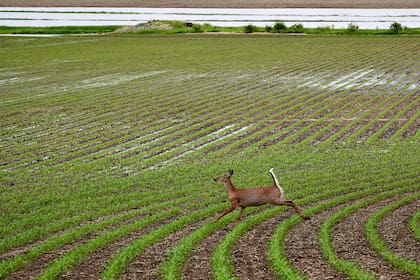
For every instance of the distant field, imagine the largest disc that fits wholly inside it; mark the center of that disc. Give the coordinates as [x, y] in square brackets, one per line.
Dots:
[216, 3]
[109, 145]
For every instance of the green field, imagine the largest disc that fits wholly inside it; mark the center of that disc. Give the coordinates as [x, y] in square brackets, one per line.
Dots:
[109, 147]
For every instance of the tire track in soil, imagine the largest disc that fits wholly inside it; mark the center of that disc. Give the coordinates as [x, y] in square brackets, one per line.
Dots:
[93, 264]
[146, 266]
[198, 266]
[398, 236]
[351, 243]
[249, 254]
[303, 251]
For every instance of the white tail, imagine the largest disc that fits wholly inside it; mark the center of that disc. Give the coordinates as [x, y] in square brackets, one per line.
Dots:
[277, 183]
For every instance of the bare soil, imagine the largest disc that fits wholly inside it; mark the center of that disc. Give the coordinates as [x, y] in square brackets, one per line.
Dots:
[303, 249]
[198, 266]
[249, 254]
[216, 3]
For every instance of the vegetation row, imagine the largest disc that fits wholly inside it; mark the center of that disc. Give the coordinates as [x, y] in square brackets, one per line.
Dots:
[109, 147]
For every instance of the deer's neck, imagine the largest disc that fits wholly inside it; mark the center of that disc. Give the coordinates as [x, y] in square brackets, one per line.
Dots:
[229, 186]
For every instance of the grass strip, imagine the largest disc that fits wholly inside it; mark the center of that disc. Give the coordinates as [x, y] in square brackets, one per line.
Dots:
[415, 225]
[351, 269]
[75, 256]
[379, 244]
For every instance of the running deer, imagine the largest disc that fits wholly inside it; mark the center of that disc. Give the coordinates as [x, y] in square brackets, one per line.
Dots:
[254, 196]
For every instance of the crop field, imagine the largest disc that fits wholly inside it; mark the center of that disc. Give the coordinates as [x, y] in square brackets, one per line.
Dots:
[109, 147]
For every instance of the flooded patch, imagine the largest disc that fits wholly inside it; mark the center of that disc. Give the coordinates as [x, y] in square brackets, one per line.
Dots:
[114, 79]
[311, 18]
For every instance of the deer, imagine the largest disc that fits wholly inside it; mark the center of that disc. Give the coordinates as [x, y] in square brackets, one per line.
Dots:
[245, 197]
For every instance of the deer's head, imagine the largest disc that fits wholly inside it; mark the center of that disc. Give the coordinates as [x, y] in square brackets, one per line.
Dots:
[225, 178]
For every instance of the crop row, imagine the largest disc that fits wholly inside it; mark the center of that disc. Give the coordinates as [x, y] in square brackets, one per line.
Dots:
[168, 119]
[306, 196]
[167, 114]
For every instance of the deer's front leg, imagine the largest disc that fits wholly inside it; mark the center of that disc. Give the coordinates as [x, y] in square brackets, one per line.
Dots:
[232, 207]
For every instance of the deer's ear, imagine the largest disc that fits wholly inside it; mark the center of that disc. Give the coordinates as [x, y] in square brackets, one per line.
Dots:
[230, 172]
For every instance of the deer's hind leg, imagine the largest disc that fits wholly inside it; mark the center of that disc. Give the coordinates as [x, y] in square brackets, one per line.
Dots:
[291, 204]
[240, 213]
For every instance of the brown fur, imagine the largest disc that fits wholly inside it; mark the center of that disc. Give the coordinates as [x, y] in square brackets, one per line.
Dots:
[252, 197]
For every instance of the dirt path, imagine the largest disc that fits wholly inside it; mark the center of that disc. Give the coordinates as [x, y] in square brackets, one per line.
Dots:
[349, 239]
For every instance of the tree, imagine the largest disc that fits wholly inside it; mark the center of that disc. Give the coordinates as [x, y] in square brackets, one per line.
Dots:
[279, 27]
[395, 27]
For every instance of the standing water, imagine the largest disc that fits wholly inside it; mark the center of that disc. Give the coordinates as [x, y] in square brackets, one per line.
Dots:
[336, 18]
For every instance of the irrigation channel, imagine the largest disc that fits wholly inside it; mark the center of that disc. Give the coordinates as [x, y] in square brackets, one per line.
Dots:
[311, 18]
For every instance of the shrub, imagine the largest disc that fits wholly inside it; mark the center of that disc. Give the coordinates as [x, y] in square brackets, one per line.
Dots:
[268, 28]
[279, 27]
[395, 27]
[197, 28]
[352, 28]
[250, 28]
[296, 28]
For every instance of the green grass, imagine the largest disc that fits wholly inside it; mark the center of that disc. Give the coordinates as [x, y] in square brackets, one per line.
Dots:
[414, 224]
[178, 27]
[108, 135]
